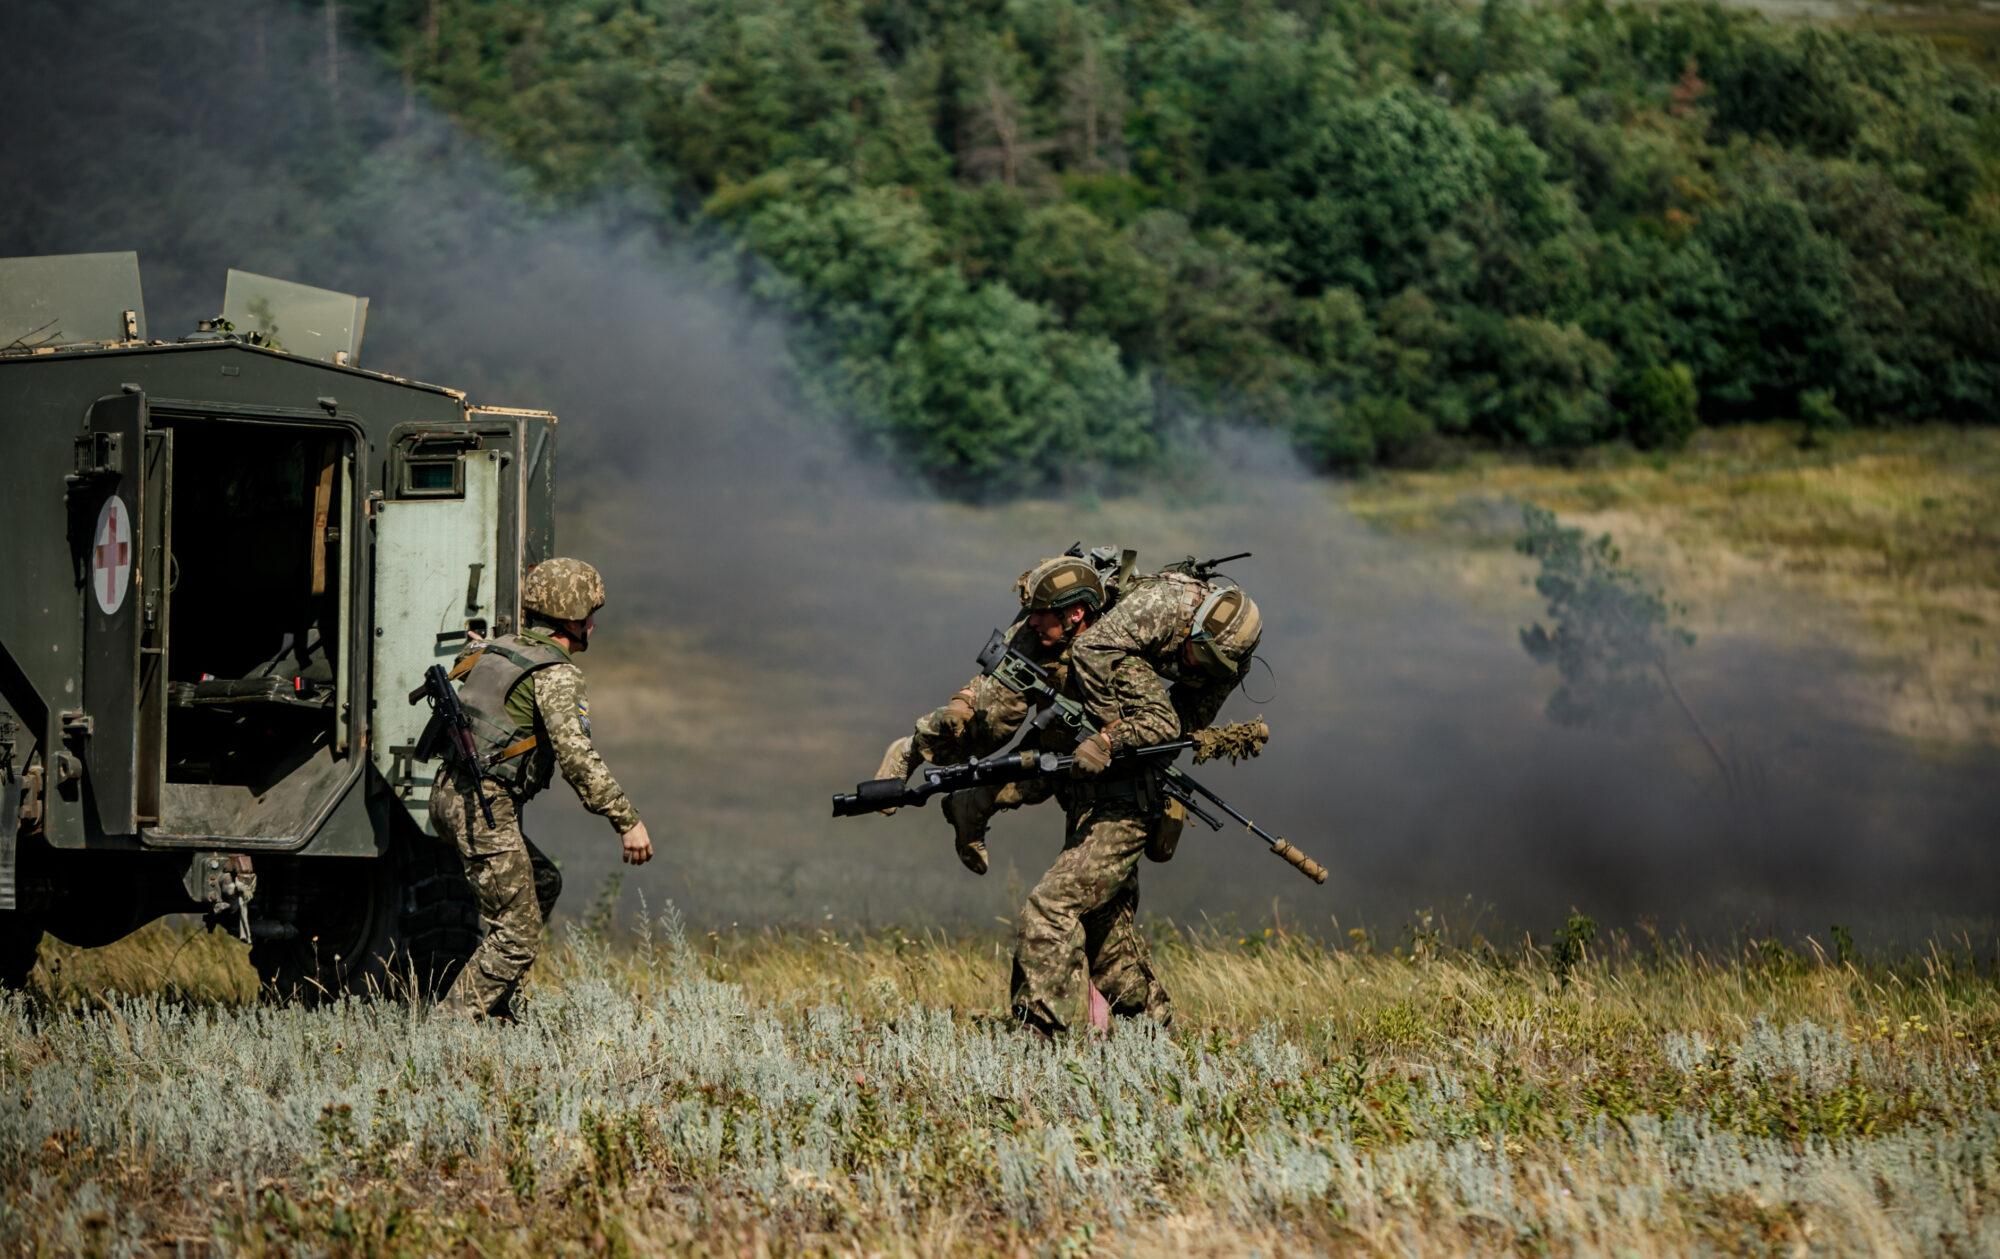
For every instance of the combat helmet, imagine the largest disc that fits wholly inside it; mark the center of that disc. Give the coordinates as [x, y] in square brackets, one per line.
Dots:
[562, 589]
[1061, 582]
[1227, 627]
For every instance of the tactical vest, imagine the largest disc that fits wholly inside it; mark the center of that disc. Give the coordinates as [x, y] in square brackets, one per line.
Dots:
[514, 754]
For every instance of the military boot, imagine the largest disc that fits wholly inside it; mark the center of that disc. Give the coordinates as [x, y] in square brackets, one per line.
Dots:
[963, 809]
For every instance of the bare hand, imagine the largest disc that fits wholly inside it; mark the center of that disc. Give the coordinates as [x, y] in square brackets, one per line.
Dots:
[1093, 755]
[638, 846]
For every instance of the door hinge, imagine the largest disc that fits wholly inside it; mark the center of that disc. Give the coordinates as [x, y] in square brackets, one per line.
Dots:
[98, 454]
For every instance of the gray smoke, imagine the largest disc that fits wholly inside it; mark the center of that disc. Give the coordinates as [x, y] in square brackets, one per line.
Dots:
[783, 605]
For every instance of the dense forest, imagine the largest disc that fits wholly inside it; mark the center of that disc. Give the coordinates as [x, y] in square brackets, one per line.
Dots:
[1027, 237]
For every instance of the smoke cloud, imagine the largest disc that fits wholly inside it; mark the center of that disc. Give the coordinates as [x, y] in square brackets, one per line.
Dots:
[782, 605]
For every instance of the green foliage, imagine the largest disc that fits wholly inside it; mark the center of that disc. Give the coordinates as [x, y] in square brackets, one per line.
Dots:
[1380, 229]
[1612, 637]
[981, 389]
[1375, 183]
[1611, 629]
[1572, 944]
[1820, 415]
[1662, 406]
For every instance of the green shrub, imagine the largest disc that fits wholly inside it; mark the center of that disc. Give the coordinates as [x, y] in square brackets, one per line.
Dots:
[1661, 406]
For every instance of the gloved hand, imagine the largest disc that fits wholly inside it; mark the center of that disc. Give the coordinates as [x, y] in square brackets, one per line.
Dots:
[1093, 755]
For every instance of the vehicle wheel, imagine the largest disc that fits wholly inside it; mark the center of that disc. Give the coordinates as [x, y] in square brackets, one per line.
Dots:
[20, 943]
[440, 915]
[399, 926]
[342, 922]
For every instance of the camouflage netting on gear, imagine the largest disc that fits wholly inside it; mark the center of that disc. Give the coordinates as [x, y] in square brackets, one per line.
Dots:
[563, 589]
[1238, 741]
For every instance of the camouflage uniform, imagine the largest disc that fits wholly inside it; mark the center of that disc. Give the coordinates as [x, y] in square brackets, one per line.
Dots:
[978, 721]
[983, 715]
[1127, 670]
[515, 883]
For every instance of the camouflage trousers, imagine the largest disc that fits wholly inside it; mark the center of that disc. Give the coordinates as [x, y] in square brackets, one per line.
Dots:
[516, 886]
[1082, 915]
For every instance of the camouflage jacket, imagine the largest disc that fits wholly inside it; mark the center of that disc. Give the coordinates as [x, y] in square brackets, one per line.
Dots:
[983, 715]
[1127, 666]
[561, 717]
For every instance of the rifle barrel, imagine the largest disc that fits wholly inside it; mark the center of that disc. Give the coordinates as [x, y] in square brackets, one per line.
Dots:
[1283, 848]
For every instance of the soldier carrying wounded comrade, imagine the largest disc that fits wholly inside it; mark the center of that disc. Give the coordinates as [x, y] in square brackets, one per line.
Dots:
[1137, 662]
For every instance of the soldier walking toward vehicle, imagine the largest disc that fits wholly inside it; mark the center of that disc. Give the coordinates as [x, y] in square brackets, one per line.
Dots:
[530, 716]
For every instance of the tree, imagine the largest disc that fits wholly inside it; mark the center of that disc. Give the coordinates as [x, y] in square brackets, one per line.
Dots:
[1091, 275]
[1612, 636]
[1661, 406]
[997, 135]
[1375, 182]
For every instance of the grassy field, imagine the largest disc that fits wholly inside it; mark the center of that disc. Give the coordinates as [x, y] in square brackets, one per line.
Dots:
[1423, 1091]
[758, 1094]
[1885, 544]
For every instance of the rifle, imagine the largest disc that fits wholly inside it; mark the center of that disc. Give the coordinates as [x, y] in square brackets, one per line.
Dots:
[1203, 570]
[1018, 673]
[450, 732]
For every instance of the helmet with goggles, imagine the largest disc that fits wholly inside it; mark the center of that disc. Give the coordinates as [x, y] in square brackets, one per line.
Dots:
[1226, 630]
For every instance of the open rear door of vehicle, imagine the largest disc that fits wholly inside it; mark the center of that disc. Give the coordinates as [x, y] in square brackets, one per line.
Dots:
[437, 576]
[118, 528]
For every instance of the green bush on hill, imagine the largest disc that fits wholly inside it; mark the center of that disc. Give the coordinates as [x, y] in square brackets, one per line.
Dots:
[1032, 236]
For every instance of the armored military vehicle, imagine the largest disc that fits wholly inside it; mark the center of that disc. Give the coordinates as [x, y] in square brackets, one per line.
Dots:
[226, 558]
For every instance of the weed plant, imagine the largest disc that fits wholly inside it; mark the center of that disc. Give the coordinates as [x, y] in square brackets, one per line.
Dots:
[811, 1093]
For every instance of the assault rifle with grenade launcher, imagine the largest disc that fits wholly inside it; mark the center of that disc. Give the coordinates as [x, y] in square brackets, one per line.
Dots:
[450, 732]
[1016, 672]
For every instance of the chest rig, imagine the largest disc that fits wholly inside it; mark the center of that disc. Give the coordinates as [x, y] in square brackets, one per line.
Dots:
[504, 728]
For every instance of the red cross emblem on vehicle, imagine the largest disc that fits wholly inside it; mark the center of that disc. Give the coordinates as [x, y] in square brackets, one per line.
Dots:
[111, 555]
